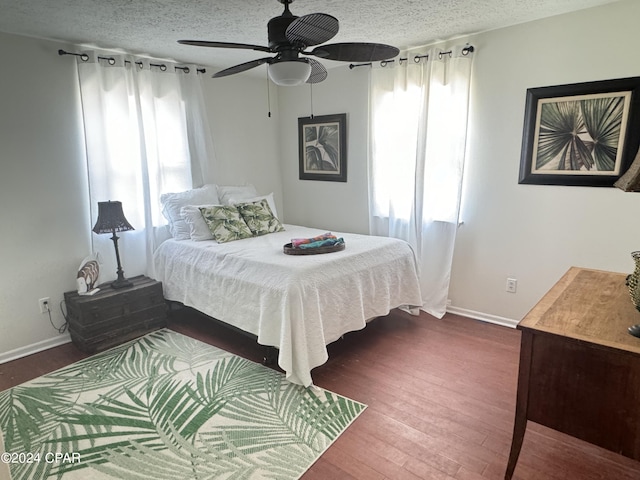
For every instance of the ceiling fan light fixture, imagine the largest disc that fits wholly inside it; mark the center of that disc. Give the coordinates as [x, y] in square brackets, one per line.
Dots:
[289, 73]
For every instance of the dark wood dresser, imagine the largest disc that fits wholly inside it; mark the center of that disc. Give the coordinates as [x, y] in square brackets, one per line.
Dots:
[579, 367]
[114, 316]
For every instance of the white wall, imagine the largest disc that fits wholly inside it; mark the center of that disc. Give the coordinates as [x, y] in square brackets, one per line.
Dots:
[44, 215]
[533, 232]
[340, 206]
[43, 190]
[245, 138]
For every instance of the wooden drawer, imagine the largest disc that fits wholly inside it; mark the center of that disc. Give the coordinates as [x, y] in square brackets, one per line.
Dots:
[113, 316]
[585, 390]
[110, 338]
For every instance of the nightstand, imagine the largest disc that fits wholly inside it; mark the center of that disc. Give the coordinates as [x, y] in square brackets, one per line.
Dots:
[114, 316]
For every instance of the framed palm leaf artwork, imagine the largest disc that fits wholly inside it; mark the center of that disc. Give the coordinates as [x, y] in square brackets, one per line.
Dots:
[322, 145]
[584, 134]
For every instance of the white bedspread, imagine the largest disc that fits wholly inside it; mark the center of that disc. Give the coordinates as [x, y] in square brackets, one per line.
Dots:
[297, 303]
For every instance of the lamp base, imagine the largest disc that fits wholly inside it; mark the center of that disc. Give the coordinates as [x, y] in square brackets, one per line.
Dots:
[121, 283]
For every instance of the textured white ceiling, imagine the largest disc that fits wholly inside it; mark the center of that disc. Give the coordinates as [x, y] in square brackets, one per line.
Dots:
[152, 27]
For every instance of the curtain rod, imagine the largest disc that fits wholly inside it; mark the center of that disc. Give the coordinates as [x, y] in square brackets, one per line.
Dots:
[85, 58]
[417, 59]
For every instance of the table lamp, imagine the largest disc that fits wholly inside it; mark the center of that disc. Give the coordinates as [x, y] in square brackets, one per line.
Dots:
[112, 220]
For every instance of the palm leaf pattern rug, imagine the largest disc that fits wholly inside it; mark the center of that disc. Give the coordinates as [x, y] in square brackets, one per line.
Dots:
[166, 406]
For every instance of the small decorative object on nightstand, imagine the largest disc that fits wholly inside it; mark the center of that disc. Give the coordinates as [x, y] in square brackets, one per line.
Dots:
[111, 220]
[111, 317]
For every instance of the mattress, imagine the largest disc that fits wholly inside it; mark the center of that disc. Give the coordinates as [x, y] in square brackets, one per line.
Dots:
[297, 303]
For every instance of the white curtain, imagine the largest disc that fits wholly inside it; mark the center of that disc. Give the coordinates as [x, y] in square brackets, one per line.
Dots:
[146, 133]
[418, 130]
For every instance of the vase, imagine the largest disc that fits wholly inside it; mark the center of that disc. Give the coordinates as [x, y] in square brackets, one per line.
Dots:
[633, 281]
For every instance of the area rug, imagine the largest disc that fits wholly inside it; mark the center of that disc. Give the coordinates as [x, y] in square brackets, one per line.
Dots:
[166, 406]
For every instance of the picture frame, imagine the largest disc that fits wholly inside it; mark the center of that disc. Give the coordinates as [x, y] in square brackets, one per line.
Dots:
[322, 144]
[582, 134]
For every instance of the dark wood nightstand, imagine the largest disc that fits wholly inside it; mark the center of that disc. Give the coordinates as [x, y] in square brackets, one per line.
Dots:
[114, 316]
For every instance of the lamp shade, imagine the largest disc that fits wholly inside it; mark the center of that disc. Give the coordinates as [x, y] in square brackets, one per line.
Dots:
[111, 218]
[289, 73]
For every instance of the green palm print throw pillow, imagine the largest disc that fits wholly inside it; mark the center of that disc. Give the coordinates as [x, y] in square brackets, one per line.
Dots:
[259, 217]
[225, 222]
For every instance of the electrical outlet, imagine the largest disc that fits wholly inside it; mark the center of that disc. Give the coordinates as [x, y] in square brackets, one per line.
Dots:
[512, 285]
[44, 304]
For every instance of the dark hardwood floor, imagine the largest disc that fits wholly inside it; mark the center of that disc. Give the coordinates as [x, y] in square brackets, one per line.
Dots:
[440, 395]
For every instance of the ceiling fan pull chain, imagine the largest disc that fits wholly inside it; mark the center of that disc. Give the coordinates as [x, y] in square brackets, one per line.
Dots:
[268, 97]
[311, 98]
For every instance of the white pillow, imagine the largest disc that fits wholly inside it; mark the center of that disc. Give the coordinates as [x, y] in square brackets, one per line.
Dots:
[198, 228]
[239, 191]
[269, 198]
[172, 203]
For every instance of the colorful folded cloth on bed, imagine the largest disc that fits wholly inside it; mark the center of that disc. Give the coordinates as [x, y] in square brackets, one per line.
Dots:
[296, 242]
[328, 242]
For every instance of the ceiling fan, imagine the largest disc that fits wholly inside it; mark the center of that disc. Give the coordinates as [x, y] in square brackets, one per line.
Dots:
[289, 36]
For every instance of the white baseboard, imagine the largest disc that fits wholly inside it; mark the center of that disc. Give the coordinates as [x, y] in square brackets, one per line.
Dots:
[62, 339]
[34, 348]
[485, 317]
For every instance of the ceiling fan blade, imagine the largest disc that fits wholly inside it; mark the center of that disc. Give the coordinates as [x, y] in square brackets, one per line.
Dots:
[242, 67]
[318, 72]
[312, 29]
[244, 46]
[355, 52]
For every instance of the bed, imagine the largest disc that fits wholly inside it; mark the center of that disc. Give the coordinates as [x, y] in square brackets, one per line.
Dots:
[296, 303]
